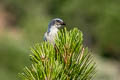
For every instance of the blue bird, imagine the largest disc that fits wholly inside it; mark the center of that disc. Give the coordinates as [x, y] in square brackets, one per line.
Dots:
[53, 28]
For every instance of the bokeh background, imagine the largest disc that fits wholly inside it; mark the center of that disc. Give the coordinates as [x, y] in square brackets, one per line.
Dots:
[23, 23]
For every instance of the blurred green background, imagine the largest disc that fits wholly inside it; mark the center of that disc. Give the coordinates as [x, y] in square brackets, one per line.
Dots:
[23, 23]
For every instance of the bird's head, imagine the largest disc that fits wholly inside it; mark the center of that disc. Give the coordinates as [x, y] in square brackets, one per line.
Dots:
[56, 23]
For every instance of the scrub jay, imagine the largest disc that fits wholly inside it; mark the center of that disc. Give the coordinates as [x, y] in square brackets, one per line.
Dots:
[53, 28]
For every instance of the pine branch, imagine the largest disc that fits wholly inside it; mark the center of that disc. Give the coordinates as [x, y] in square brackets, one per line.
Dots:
[67, 60]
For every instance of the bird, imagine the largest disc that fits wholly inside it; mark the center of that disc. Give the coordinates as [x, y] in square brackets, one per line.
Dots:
[53, 27]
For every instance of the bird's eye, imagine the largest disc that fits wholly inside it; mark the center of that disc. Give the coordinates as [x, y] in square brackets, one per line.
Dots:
[58, 21]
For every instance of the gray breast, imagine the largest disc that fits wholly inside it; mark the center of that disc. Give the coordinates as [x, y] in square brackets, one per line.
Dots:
[50, 37]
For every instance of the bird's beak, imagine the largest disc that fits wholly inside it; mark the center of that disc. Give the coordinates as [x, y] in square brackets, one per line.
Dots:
[63, 23]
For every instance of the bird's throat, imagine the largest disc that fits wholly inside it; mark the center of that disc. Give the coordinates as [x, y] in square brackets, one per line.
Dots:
[53, 31]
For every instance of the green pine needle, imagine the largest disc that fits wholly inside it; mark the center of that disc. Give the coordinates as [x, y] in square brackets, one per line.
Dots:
[66, 60]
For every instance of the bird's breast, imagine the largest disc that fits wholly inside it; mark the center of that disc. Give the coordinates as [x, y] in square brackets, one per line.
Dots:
[51, 35]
